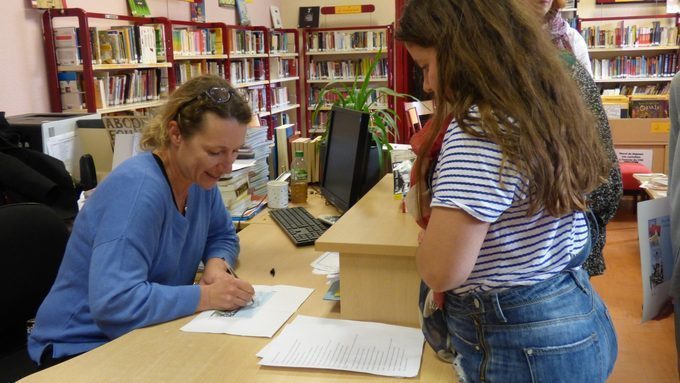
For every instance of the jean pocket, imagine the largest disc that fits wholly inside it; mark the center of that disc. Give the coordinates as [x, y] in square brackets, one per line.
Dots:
[571, 363]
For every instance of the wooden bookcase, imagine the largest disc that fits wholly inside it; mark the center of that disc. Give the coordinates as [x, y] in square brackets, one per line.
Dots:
[284, 79]
[635, 56]
[154, 78]
[632, 51]
[198, 48]
[248, 66]
[335, 55]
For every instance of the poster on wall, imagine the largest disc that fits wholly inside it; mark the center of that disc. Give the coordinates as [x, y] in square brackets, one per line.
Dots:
[673, 6]
[628, 1]
[226, 3]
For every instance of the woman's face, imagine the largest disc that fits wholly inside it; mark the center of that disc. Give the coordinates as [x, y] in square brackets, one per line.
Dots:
[543, 6]
[208, 154]
[426, 59]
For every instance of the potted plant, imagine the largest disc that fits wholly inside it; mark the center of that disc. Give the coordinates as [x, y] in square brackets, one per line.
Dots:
[361, 97]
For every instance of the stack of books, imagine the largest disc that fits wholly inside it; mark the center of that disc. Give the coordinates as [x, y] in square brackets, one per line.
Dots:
[257, 148]
[234, 188]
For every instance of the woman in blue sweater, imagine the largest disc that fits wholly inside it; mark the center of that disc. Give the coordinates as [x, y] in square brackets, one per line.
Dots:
[136, 244]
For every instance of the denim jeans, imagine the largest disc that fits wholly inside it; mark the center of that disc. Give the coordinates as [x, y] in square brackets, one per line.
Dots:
[558, 330]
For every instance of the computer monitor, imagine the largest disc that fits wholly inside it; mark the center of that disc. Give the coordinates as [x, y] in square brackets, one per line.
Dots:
[344, 180]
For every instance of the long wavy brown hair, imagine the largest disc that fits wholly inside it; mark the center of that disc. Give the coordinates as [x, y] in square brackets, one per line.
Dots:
[494, 54]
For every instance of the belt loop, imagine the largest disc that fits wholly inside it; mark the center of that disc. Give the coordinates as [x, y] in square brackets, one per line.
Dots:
[497, 307]
[579, 283]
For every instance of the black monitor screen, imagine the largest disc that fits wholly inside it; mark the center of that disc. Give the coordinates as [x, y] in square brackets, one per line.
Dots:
[344, 169]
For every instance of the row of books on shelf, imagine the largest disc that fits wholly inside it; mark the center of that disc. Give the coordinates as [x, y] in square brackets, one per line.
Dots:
[282, 119]
[375, 97]
[663, 65]
[247, 42]
[128, 44]
[279, 96]
[284, 67]
[628, 89]
[621, 36]
[111, 89]
[201, 41]
[185, 71]
[636, 106]
[256, 97]
[127, 88]
[346, 40]
[279, 42]
[244, 71]
[346, 69]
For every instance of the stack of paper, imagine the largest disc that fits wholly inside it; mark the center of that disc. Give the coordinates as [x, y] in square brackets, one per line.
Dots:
[328, 264]
[368, 347]
[272, 307]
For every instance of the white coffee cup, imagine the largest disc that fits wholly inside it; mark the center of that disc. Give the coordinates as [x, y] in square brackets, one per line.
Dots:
[277, 194]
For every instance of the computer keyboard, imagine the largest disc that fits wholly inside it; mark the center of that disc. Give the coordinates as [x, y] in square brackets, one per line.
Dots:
[302, 228]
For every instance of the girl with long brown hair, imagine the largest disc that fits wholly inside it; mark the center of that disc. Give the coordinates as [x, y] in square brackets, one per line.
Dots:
[502, 202]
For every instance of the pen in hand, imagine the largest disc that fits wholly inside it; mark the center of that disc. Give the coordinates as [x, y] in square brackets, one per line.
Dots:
[231, 271]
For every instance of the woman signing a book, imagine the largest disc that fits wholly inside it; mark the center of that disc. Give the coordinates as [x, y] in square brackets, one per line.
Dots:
[501, 195]
[136, 244]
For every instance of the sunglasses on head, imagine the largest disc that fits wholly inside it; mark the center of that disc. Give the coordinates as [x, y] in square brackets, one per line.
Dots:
[216, 94]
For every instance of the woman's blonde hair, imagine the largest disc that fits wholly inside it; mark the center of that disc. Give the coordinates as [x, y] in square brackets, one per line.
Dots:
[494, 54]
[187, 105]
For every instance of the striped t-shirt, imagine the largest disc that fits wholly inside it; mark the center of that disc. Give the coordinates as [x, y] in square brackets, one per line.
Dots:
[518, 249]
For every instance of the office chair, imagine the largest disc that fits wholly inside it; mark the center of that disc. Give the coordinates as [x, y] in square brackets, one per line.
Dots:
[33, 239]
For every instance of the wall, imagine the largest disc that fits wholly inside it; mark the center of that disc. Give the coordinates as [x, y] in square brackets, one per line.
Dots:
[23, 83]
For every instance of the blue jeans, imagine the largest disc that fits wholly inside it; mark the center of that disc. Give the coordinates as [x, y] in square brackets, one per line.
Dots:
[558, 330]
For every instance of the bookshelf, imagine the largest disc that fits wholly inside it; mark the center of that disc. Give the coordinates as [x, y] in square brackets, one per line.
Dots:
[337, 55]
[248, 66]
[198, 48]
[632, 54]
[284, 79]
[634, 59]
[106, 70]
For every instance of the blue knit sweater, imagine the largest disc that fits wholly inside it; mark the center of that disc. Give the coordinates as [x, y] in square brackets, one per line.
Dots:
[131, 260]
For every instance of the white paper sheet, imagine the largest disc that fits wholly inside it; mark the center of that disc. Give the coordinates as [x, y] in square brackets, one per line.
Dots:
[327, 263]
[272, 307]
[63, 147]
[368, 347]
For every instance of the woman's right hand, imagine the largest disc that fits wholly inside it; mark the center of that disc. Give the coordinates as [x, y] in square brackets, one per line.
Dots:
[225, 293]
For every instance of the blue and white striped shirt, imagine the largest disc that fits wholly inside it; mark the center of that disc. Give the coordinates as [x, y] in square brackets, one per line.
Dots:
[518, 249]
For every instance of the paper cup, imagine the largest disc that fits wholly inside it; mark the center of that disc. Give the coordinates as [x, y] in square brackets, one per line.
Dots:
[277, 194]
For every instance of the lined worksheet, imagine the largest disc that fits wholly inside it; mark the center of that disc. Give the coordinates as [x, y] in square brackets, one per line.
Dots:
[368, 347]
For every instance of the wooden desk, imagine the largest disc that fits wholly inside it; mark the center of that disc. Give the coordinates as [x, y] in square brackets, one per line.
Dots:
[377, 245]
[163, 353]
